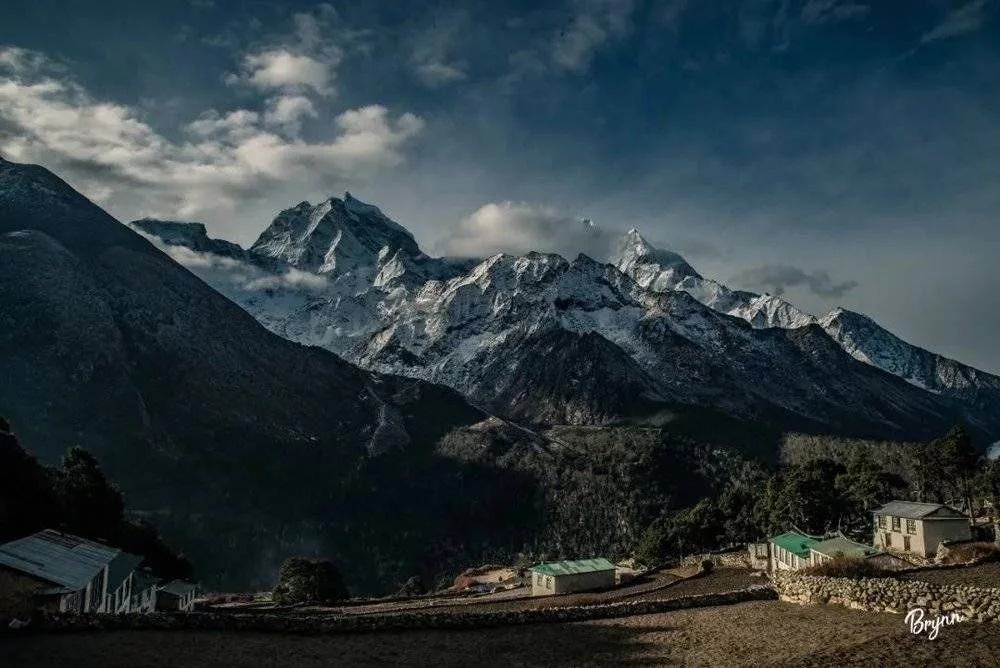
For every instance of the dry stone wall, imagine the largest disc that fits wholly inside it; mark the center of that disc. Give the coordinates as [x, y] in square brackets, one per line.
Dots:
[290, 623]
[890, 595]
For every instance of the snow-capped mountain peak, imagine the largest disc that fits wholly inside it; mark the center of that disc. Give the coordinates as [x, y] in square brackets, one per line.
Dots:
[475, 324]
[336, 236]
[193, 236]
[652, 268]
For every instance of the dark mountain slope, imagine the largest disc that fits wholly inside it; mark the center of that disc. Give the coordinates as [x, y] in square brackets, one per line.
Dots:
[249, 447]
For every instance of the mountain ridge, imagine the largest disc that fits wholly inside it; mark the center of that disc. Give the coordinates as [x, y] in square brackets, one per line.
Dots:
[444, 328]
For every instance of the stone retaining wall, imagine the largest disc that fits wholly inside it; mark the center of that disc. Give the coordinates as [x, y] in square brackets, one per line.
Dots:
[734, 558]
[890, 595]
[290, 623]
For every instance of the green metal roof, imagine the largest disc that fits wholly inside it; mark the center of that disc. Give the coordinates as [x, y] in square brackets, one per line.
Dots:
[557, 568]
[846, 546]
[795, 542]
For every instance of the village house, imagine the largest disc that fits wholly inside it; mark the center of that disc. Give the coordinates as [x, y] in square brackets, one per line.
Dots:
[564, 577]
[144, 586]
[68, 573]
[791, 551]
[794, 550]
[918, 528]
[121, 580]
[176, 595]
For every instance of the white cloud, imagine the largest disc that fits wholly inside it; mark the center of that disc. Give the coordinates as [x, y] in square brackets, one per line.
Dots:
[519, 228]
[234, 126]
[282, 70]
[595, 23]
[288, 111]
[303, 61]
[430, 50]
[234, 276]
[438, 74]
[965, 19]
[227, 161]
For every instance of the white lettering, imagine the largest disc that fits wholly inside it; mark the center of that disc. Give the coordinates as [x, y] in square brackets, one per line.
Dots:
[915, 620]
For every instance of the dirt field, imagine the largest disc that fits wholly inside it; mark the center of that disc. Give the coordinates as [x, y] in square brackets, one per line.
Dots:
[983, 575]
[749, 634]
[654, 586]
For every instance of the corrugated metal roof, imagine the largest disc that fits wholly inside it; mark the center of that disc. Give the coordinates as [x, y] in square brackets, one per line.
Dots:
[796, 543]
[915, 510]
[557, 568]
[848, 547]
[62, 559]
[144, 580]
[120, 568]
[178, 587]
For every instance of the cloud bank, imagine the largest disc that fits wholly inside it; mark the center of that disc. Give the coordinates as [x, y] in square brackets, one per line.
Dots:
[224, 160]
[519, 227]
[776, 279]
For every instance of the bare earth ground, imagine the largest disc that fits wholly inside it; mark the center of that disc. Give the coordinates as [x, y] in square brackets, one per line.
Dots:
[983, 575]
[762, 633]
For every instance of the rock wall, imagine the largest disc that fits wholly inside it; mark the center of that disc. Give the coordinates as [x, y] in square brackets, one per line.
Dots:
[889, 595]
[736, 558]
[311, 624]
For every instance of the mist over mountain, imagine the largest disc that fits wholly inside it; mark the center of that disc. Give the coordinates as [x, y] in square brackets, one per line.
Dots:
[548, 340]
[475, 409]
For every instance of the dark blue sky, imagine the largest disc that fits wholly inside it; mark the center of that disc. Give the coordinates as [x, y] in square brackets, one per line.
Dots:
[771, 139]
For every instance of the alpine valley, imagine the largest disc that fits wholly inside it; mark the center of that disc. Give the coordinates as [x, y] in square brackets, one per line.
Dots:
[333, 390]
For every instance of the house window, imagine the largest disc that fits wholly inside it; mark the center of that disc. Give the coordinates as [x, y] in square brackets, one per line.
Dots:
[911, 526]
[887, 539]
[881, 521]
[906, 543]
[895, 524]
[548, 582]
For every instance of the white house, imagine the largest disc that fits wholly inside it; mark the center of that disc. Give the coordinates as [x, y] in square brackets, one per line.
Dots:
[791, 551]
[121, 577]
[794, 550]
[176, 595]
[69, 572]
[144, 586]
[918, 528]
[564, 577]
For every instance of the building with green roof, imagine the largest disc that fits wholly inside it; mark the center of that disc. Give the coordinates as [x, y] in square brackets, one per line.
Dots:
[564, 577]
[791, 550]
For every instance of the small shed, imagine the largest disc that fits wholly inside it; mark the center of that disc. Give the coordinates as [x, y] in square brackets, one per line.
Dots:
[791, 551]
[121, 578]
[176, 595]
[565, 577]
[144, 586]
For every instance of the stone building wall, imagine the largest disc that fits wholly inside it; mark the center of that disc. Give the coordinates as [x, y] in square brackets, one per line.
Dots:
[890, 595]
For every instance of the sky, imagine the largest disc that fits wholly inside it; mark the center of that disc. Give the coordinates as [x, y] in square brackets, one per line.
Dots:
[837, 152]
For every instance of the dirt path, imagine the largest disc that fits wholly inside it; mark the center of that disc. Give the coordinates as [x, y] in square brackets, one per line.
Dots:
[763, 633]
[983, 575]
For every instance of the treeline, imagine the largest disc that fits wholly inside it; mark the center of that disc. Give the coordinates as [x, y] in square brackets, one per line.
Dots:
[836, 490]
[78, 499]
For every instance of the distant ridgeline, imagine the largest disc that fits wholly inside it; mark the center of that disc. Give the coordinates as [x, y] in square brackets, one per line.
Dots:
[76, 499]
[246, 448]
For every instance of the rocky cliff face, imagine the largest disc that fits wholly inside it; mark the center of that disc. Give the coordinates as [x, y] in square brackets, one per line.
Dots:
[543, 339]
